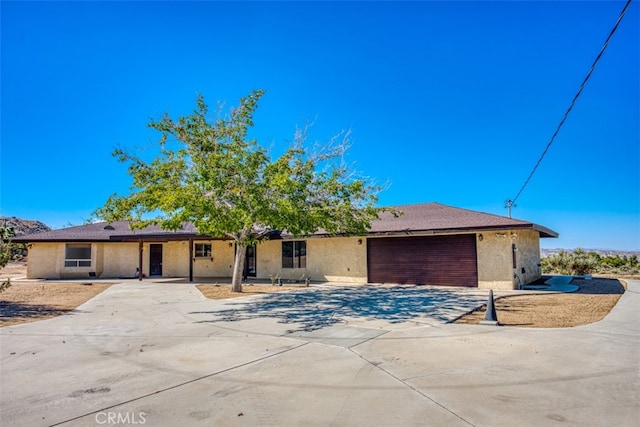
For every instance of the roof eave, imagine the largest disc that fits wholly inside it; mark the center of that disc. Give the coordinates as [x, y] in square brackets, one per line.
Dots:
[56, 240]
[544, 232]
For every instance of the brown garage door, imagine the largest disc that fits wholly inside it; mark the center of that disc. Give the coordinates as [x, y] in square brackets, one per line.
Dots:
[434, 260]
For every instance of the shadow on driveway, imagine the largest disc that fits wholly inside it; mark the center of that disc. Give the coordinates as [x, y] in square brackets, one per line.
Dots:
[315, 308]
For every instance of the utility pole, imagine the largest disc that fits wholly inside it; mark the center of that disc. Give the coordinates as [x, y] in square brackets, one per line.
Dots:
[509, 204]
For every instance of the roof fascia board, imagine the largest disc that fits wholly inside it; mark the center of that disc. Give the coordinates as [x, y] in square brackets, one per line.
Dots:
[431, 232]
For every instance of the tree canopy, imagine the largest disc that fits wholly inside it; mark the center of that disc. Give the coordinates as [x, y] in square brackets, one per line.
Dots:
[228, 186]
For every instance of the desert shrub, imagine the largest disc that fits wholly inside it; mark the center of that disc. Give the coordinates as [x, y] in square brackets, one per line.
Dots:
[579, 262]
[576, 263]
[583, 262]
[556, 263]
[5, 253]
[6, 247]
[619, 265]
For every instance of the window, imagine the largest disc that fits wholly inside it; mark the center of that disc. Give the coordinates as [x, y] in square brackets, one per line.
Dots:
[203, 250]
[294, 254]
[77, 255]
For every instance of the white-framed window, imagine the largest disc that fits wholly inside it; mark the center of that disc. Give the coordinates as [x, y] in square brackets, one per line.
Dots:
[202, 250]
[77, 255]
[294, 254]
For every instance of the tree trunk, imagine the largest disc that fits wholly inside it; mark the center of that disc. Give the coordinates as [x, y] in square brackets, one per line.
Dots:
[238, 266]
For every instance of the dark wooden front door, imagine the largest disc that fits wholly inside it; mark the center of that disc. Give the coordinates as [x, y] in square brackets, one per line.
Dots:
[155, 260]
[250, 262]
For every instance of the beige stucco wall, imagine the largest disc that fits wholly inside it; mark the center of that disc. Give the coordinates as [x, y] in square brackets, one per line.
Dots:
[175, 259]
[44, 261]
[495, 260]
[119, 259]
[527, 256]
[337, 259]
[219, 265]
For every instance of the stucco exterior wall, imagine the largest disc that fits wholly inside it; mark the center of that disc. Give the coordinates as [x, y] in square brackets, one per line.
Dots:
[341, 259]
[337, 259]
[97, 258]
[495, 258]
[527, 256]
[175, 259]
[495, 269]
[269, 261]
[219, 265]
[45, 261]
[119, 260]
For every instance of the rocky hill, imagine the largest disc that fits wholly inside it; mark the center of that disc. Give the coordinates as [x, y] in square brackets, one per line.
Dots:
[23, 226]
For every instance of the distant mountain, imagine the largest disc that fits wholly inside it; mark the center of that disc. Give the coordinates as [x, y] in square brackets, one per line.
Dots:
[602, 252]
[23, 226]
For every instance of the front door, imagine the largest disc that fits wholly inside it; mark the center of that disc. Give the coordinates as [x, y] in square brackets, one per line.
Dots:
[250, 262]
[155, 260]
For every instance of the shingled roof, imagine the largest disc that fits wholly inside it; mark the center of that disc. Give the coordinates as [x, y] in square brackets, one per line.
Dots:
[425, 218]
[105, 232]
[435, 217]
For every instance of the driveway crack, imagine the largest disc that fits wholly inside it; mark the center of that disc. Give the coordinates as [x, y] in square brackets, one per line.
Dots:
[416, 390]
[213, 374]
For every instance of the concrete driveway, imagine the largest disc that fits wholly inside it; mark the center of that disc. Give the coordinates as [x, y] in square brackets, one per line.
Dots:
[163, 355]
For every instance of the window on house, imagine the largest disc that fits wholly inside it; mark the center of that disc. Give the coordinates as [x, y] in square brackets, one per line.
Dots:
[77, 255]
[203, 250]
[294, 254]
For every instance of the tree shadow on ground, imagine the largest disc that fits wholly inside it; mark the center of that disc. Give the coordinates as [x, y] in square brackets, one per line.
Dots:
[315, 308]
[10, 310]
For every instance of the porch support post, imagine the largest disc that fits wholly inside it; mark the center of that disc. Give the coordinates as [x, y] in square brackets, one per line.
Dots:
[140, 245]
[191, 259]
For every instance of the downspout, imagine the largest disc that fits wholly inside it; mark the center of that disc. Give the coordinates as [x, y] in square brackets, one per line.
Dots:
[516, 276]
[191, 260]
[140, 245]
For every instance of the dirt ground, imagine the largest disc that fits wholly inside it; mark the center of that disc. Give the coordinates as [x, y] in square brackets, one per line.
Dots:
[13, 270]
[592, 302]
[224, 291]
[30, 301]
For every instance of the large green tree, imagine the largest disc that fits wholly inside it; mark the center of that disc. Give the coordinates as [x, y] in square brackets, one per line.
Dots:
[211, 173]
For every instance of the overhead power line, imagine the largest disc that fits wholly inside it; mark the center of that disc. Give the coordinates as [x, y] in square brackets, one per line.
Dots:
[512, 202]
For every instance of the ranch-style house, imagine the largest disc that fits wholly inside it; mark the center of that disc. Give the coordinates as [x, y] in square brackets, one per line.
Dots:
[430, 243]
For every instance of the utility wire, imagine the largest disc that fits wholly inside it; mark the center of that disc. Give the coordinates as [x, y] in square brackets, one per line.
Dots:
[512, 202]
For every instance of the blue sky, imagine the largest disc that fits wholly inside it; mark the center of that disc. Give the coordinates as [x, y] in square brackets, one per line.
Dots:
[450, 102]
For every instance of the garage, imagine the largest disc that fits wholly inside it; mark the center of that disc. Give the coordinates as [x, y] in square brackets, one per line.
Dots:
[448, 260]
